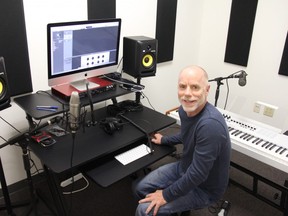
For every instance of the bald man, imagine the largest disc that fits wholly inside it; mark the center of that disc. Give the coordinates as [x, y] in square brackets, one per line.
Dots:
[201, 176]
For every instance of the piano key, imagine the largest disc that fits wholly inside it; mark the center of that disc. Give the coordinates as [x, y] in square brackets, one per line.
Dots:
[251, 137]
[281, 152]
[278, 149]
[255, 140]
[239, 132]
[272, 147]
[263, 145]
[261, 140]
[234, 132]
[269, 145]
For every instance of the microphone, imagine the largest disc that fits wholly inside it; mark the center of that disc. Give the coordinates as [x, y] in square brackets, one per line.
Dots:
[241, 78]
[74, 107]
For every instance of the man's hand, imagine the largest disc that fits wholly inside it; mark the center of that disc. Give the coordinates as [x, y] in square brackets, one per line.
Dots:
[157, 138]
[156, 200]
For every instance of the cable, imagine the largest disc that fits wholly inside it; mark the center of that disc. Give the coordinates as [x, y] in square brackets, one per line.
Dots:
[119, 64]
[52, 96]
[141, 129]
[3, 139]
[10, 125]
[79, 190]
[148, 100]
[227, 95]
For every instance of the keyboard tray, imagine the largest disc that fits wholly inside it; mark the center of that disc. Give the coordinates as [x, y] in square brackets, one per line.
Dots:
[111, 171]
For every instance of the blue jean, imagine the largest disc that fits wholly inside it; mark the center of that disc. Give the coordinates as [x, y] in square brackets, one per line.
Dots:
[162, 178]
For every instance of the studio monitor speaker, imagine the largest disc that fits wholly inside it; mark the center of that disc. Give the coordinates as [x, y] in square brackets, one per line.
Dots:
[140, 56]
[4, 88]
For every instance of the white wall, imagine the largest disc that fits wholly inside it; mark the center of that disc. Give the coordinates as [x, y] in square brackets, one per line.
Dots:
[201, 32]
[263, 82]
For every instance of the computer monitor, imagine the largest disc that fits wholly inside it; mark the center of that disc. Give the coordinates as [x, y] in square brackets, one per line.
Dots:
[82, 49]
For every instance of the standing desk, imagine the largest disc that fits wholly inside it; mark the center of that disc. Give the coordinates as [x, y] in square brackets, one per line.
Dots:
[94, 150]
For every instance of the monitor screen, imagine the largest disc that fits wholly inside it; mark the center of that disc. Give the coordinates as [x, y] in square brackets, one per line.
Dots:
[82, 49]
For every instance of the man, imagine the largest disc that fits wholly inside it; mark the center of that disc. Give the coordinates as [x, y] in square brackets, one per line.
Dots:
[200, 177]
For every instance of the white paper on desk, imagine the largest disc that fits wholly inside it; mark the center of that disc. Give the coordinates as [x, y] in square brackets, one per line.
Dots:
[133, 154]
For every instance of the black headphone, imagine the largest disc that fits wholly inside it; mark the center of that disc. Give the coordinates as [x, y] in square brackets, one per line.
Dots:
[111, 124]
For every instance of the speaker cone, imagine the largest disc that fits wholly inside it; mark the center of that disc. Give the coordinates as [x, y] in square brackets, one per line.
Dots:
[147, 60]
[2, 88]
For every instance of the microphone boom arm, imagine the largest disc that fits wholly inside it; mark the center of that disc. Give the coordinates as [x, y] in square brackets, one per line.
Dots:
[219, 83]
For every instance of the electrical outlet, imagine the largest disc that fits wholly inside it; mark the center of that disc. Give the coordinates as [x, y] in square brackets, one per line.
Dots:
[257, 107]
[269, 111]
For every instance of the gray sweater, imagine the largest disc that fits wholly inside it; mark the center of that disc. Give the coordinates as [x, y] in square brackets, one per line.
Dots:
[206, 154]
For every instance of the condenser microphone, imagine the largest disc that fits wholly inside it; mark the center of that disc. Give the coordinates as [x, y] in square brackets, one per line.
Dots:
[74, 107]
[242, 78]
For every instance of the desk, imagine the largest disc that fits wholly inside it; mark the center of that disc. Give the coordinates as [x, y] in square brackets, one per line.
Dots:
[94, 151]
[45, 98]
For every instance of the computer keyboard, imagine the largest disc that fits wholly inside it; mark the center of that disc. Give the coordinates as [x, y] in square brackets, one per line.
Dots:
[133, 154]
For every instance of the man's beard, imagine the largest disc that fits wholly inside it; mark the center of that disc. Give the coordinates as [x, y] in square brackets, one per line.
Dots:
[192, 108]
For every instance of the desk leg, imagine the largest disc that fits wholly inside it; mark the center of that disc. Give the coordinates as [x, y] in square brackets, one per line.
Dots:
[56, 192]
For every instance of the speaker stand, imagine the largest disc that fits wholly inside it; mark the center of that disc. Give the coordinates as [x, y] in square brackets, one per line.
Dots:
[138, 94]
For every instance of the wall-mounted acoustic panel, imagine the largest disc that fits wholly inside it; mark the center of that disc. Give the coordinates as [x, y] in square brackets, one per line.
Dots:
[283, 70]
[101, 9]
[165, 29]
[13, 46]
[240, 31]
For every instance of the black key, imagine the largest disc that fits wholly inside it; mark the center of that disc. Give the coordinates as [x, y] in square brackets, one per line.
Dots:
[246, 137]
[238, 133]
[278, 149]
[265, 144]
[230, 129]
[259, 141]
[283, 151]
[272, 147]
[270, 144]
[251, 137]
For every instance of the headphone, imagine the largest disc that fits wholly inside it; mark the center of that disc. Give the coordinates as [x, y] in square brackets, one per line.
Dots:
[111, 124]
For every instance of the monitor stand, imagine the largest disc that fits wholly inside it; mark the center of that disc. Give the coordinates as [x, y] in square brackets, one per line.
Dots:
[81, 85]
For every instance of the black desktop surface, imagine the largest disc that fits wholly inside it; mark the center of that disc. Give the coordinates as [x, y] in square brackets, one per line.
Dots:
[45, 98]
[29, 103]
[94, 143]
